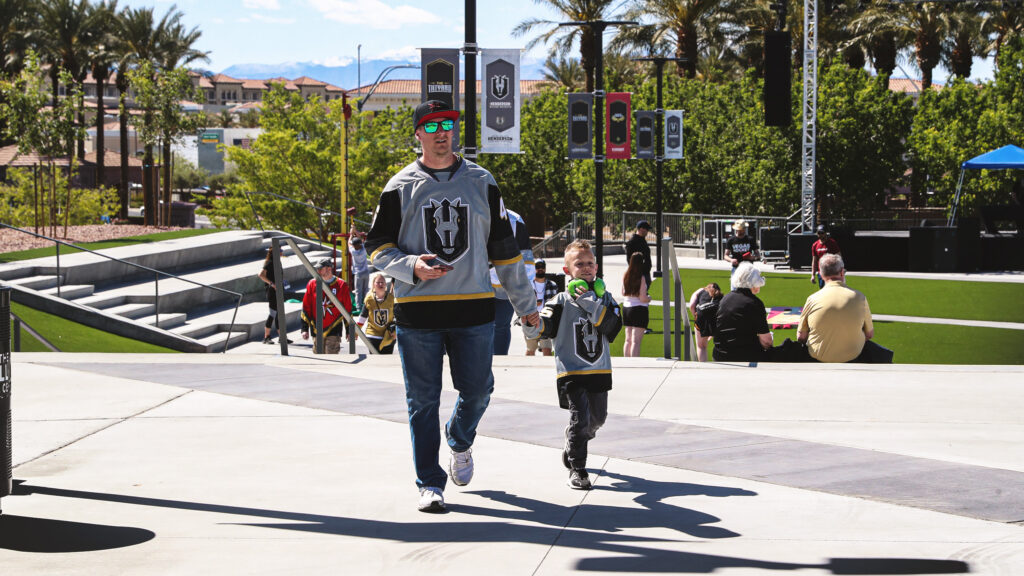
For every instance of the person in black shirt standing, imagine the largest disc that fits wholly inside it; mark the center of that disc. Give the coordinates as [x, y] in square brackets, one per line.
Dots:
[638, 245]
[741, 247]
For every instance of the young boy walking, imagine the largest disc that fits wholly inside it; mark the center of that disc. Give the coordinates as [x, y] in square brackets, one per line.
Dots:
[582, 322]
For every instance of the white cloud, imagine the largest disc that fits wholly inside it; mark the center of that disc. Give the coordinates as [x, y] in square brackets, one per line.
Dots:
[272, 20]
[261, 4]
[411, 53]
[335, 61]
[373, 14]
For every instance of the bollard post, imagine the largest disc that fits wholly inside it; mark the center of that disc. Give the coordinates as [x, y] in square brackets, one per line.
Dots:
[6, 457]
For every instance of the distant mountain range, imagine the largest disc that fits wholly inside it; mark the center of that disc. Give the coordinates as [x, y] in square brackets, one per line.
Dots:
[349, 76]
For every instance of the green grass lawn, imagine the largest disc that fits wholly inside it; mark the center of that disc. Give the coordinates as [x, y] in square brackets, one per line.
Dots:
[70, 336]
[993, 301]
[913, 343]
[117, 242]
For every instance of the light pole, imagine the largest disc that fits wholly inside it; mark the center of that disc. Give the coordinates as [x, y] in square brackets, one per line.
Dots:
[359, 69]
[380, 78]
[597, 29]
[469, 49]
[659, 155]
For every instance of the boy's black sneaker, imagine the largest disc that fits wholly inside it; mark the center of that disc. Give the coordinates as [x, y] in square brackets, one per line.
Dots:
[579, 480]
[565, 449]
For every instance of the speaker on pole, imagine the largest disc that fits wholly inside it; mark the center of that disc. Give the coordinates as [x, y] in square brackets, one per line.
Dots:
[778, 110]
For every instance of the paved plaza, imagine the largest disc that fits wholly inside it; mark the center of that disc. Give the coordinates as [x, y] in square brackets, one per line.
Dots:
[255, 463]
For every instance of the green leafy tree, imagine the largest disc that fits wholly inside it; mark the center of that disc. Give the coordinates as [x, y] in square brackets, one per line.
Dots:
[159, 93]
[965, 120]
[297, 156]
[26, 120]
[379, 145]
[860, 142]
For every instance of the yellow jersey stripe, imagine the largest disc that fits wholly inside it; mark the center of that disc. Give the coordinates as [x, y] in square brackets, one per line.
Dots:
[518, 258]
[382, 248]
[598, 323]
[443, 297]
[583, 372]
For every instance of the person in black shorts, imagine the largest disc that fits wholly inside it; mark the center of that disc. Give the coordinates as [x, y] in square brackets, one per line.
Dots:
[704, 306]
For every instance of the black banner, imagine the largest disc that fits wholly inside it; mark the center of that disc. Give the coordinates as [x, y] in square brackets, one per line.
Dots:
[439, 73]
[645, 122]
[581, 133]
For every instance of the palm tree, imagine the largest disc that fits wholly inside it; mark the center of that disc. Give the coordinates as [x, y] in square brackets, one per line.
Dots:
[684, 28]
[139, 36]
[16, 26]
[1001, 23]
[175, 49]
[565, 37]
[924, 26]
[965, 40]
[63, 29]
[102, 55]
[564, 71]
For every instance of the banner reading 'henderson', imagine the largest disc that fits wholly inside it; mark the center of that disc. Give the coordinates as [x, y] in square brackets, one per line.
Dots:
[499, 132]
[439, 75]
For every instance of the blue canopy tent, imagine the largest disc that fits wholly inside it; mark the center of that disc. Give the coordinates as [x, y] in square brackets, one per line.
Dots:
[1007, 157]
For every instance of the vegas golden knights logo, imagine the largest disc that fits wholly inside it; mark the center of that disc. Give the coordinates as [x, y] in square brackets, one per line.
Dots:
[446, 229]
[588, 341]
[380, 317]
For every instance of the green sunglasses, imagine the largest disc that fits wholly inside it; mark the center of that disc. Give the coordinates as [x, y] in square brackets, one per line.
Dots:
[431, 127]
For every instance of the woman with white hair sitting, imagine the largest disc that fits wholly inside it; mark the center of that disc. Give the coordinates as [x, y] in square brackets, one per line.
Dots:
[741, 331]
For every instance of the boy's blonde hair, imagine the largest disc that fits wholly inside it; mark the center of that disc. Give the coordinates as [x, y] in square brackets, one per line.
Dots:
[576, 246]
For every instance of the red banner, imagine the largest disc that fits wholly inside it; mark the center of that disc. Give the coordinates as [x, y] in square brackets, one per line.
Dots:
[618, 119]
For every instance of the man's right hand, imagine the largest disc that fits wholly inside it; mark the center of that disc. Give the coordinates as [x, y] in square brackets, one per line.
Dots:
[425, 271]
[305, 335]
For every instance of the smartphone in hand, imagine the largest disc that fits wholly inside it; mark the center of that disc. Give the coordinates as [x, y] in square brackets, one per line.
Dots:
[435, 263]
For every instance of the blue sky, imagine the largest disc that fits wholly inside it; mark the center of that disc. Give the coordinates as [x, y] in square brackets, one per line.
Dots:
[329, 31]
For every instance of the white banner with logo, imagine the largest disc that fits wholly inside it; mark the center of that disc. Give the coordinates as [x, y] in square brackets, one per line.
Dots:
[499, 130]
[673, 134]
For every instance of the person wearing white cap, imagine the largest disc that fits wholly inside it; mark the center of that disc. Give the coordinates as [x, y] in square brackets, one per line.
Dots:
[741, 247]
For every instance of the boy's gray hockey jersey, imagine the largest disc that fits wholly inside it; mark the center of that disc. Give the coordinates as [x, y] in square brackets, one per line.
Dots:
[458, 215]
[582, 330]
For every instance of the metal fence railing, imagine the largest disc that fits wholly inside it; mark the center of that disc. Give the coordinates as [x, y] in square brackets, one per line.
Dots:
[146, 270]
[686, 230]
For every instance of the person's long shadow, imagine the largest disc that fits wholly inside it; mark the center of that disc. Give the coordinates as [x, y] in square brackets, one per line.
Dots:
[655, 513]
[620, 552]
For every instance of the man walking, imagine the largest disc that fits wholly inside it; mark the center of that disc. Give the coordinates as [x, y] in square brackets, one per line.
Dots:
[439, 221]
[741, 247]
[825, 244]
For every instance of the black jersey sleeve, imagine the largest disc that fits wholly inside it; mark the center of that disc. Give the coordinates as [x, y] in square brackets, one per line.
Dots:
[550, 316]
[501, 243]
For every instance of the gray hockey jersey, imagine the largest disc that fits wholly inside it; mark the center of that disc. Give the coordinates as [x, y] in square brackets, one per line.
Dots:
[458, 215]
[582, 331]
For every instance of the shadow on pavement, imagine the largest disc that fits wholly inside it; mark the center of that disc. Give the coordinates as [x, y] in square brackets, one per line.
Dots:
[24, 534]
[631, 557]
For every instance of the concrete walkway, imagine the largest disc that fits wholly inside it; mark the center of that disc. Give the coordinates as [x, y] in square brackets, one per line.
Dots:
[257, 463]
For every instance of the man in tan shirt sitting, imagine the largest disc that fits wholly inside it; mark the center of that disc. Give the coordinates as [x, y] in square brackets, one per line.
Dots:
[836, 320]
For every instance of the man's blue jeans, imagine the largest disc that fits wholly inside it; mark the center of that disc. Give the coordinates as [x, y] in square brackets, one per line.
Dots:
[469, 356]
[503, 313]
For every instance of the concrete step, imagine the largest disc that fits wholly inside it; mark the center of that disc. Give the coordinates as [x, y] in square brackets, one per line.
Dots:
[70, 292]
[197, 329]
[167, 321]
[39, 282]
[215, 342]
[104, 300]
[134, 310]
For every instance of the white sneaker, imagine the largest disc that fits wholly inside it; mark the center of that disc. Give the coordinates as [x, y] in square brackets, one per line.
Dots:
[431, 499]
[461, 467]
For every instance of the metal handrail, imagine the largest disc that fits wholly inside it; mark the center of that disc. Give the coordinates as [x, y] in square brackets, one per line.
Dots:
[279, 293]
[671, 263]
[157, 273]
[552, 237]
[17, 325]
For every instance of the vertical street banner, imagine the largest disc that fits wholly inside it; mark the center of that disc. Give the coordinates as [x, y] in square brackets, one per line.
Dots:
[618, 120]
[499, 131]
[673, 134]
[439, 80]
[581, 130]
[645, 122]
